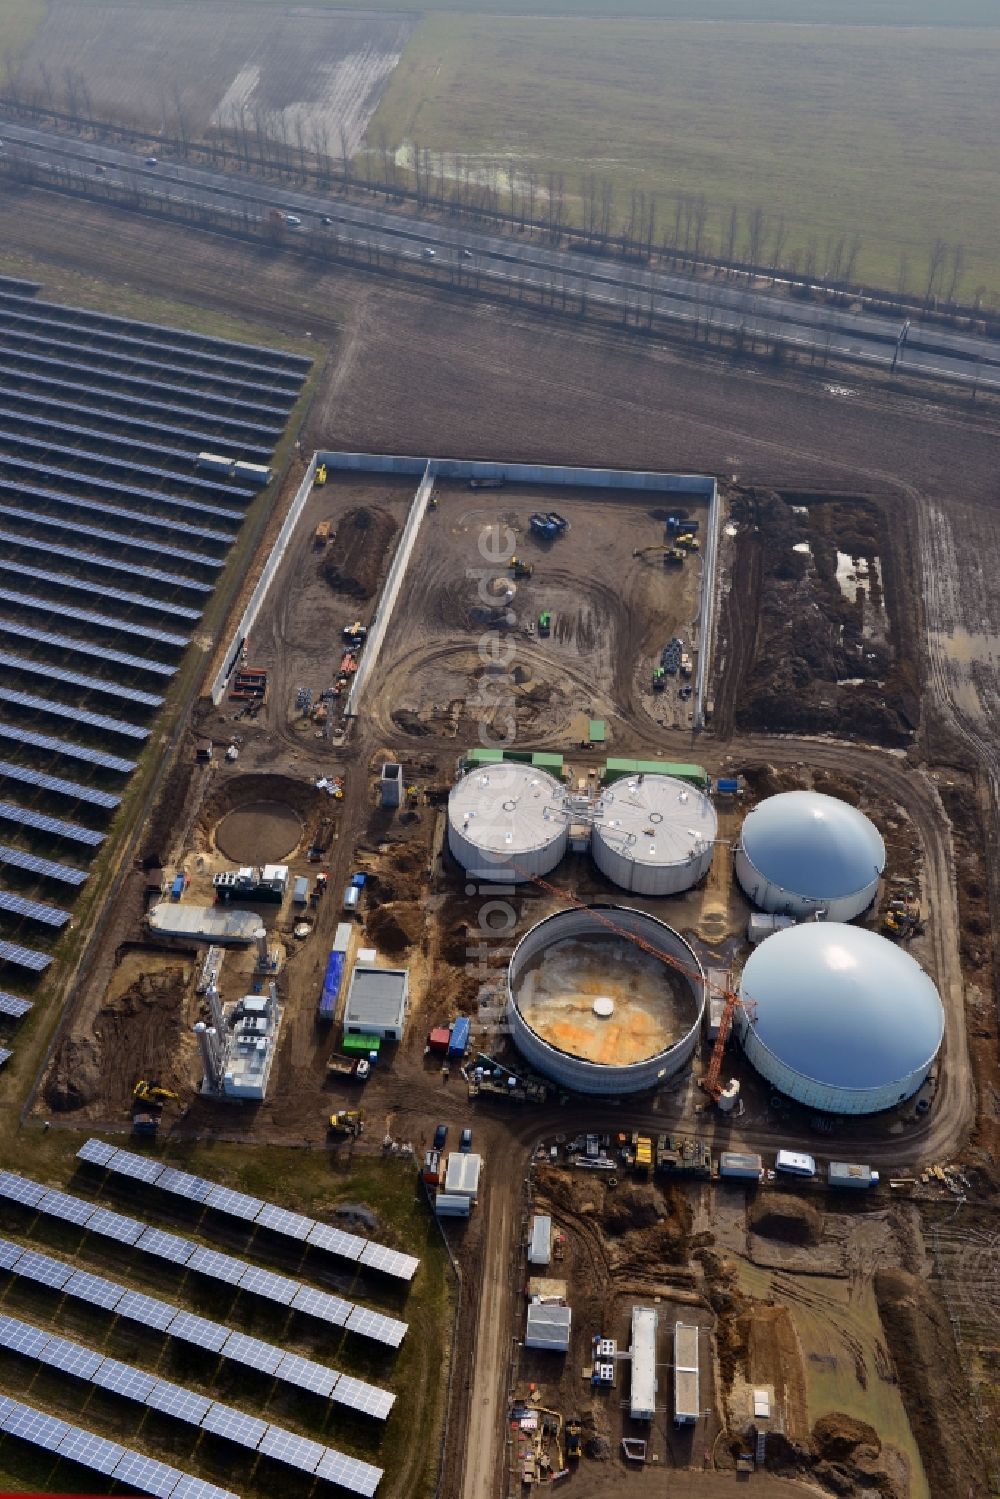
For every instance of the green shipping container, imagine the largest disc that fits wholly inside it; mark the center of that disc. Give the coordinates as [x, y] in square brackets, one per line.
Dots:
[474, 757]
[694, 775]
[544, 761]
[597, 731]
[363, 1044]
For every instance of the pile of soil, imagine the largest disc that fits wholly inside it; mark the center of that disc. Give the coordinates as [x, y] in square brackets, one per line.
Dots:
[791, 1220]
[394, 927]
[837, 1437]
[932, 1383]
[355, 561]
[75, 1076]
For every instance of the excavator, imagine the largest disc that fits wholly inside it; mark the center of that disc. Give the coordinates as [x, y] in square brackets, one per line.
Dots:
[347, 1122]
[519, 568]
[319, 478]
[711, 1081]
[151, 1093]
[673, 556]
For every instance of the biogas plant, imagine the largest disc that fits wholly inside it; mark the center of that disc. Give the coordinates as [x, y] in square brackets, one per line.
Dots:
[609, 999]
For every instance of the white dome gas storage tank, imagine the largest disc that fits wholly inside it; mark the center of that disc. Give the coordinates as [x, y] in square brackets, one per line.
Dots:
[839, 1018]
[653, 834]
[801, 852]
[507, 822]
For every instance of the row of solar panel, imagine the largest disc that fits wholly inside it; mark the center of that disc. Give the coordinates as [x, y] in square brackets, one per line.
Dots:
[211, 1337]
[48, 868]
[47, 422]
[66, 747]
[188, 1255]
[77, 679]
[239, 432]
[104, 591]
[20, 492]
[139, 1474]
[135, 491]
[93, 334]
[42, 823]
[24, 957]
[116, 419]
[17, 358]
[79, 647]
[180, 338]
[133, 466]
[199, 1189]
[118, 539]
[13, 1007]
[18, 905]
[17, 337]
[54, 708]
[5, 1055]
[117, 564]
[185, 1405]
[28, 776]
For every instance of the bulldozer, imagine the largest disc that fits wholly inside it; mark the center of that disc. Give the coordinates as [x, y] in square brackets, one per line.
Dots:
[151, 1093]
[688, 542]
[347, 1122]
[519, 568]
[902, 917]
[319, 478]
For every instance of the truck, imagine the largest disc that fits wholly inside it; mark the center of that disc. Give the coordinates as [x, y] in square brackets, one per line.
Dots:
[347, 1122]
[795, 1163]
[741, 1165]
[321, 535]
[544, 622]
[846, 1174]
[681, 525]
[643, 1152]
[177, 888]
[356, 1067]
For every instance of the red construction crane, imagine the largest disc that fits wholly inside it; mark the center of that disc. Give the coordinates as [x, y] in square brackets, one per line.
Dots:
[711, 1081]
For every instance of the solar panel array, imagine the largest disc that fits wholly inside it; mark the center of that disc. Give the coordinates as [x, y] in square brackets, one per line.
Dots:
[113, 564]
[58, 784]
[103, 589]
[142, 517]
[37, 704]
[138, 1473]
[267, 1215]
[78, 647]
[34, 910]
[78, 679]
[24, 957]
[253, 1280]
[250, 1432]
[67, 747]
[10, 812]
[88, 616]
[13, 1007]
[185, 1327]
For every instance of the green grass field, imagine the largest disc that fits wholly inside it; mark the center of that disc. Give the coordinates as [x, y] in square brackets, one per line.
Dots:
[887, 133]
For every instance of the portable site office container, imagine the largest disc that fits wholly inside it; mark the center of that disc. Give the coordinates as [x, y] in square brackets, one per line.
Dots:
[300, 891]
[642, 1406]
[448, 1205]
[540, 1248]
[687, 1404]
[846, 1174]
[795, 1163]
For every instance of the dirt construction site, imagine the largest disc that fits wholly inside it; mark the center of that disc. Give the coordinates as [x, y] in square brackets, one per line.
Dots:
[845, 1339]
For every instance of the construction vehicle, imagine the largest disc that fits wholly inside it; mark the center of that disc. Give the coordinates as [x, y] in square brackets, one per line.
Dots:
[347, 1122]
[321, 535]
[643, 1158]
[432, 503]
[145, 1125]
[545, 623]
[681, 524]
[356, 1067]
[673, 556]
[543, 526]
[688, 543]
[574, 1437]
[686, 665]
[151, 1093]
[659, 679]
[354, 634]
[319, 478]
[902, 917]
[520, 568]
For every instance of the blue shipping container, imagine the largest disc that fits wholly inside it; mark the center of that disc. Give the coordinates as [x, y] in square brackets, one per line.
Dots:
[458, 1045]
[358, 881]
[332, 981]
[727, 786]
[177, 888]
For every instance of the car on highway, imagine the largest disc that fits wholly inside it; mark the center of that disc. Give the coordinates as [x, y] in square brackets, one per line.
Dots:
[325, 220]
[100, 170]
[151, 161]
[466, 1144]
[467, 254]
[440, 1136]
[293, 221]
[428, 253]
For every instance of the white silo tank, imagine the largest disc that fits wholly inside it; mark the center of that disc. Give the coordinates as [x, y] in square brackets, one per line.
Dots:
[801, 852]
[507, 822]
[653, 834]
[839, 1018]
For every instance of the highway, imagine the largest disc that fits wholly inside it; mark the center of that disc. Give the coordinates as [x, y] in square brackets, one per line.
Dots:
[467, 256]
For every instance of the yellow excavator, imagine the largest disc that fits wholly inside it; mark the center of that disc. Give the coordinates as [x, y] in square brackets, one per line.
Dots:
[151, 1093]
[520, 568]
[347, 1122]
[671, 554]
[319, 478]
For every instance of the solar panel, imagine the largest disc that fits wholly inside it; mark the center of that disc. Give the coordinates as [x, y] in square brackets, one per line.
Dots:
[66, 747]
[70, 1209]
[251, 1352]
[137, 1167]
[43, 1270]
[198, 1330]
[146, 1309]
[58, 784]
[224, 1421]
[112, 564]
[196, 1488]
[19, 1189]
[94, 1290]
[10, 1004]
[102, 460]
[95, 1152]
[335, 1241]
[77, 679]
[117, 538]
[321, 1304]
[88, 616]
[69, 710]
[48, 868]
[306, 1375]
[24, 957]
[390, 1261]
[266, 1283]
[19, 905]
[381, 1329]
[114, 512]
[122, 1379]
[5, 1055]
[103, 486]
[104, 590]
[35, 1427]
[361, 1396]
[165, 1246]
[147, 1475]
[174, 1400]
[55, 825]
[349, 1472]
[93, 1452]
[218, 1266]
[19, 1337]
[115, 1226]
[281, 1221]
[78, 647]
[183, 1184]
[9, 1254]
[286, 1447]
[60, 1353]
[235, 1204]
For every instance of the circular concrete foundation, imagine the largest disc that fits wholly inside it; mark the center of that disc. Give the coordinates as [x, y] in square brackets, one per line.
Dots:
[259, 833]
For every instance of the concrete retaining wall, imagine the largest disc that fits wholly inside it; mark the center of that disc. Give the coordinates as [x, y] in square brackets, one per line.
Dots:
[523, 473]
